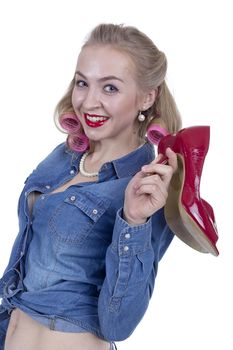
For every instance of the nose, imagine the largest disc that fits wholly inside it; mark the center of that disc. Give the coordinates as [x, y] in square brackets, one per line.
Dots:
[91, 100]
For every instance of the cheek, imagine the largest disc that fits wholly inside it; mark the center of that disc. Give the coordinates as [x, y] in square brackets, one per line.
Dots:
[76, 99]
[122, 104]
[127, 106]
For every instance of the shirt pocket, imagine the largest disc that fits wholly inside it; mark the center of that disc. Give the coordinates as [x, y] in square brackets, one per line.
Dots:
[76, 216]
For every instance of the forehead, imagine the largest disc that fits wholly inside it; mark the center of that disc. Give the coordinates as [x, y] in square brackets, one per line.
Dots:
[105, 60]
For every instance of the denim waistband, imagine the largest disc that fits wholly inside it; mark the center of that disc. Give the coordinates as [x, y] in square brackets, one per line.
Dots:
[62, 325]
[58, 324]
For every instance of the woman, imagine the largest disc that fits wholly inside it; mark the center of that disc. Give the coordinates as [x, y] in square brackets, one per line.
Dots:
[92, 229]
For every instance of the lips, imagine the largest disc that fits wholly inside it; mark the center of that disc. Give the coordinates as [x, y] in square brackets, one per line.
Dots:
[94, 120]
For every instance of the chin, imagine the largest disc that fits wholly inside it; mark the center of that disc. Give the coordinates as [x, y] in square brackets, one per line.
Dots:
[94, 134]
[93, 138]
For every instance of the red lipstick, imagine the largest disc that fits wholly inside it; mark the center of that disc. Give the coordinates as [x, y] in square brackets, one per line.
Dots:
[94, 120]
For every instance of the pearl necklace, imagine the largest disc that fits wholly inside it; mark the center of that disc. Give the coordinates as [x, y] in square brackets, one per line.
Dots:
[81, 167]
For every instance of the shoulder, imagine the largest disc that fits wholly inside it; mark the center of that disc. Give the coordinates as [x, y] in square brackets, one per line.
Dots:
[59, 153]
[60, 158]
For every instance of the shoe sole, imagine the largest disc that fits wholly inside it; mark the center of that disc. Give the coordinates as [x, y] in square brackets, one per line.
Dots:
[179, 221]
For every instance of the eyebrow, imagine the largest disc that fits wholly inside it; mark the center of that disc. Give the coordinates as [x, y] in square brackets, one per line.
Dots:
[109, 77]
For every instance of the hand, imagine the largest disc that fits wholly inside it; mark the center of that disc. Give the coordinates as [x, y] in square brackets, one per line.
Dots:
[147, 191]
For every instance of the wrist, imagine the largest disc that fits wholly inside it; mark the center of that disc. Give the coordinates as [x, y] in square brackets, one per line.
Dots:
[133, 221]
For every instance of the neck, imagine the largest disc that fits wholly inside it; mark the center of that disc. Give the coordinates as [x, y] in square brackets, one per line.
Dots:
[100, 154]
[105, 152]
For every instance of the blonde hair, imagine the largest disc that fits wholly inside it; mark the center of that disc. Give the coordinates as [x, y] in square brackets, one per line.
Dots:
[150, 72]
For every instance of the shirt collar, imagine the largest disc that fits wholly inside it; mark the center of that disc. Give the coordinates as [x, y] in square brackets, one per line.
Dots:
[125, 166]
[131, 163]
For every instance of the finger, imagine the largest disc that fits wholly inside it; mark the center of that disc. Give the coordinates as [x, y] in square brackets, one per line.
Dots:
[135, 181]
[172, 158]
[165, 171]
[157, 159]
[150, 180]
[157, 192]
[140, 174]
[154, 183]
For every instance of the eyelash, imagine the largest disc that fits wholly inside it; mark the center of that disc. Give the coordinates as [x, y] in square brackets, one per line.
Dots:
[84, 84]
[80, 81]
[112, 91]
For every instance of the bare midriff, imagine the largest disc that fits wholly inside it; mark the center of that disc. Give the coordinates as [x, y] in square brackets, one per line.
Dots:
[24, 333]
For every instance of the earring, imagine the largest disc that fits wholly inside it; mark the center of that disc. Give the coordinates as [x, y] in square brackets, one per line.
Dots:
[141, 117]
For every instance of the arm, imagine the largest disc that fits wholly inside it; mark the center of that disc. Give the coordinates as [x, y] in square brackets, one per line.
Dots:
[130, 274]
[137, 245]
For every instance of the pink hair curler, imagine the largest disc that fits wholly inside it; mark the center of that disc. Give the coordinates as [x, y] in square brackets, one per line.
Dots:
[70, 123]
[155, 132]
[78, 142]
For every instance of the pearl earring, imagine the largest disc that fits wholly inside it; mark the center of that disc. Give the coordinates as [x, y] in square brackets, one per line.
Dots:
[141, 117]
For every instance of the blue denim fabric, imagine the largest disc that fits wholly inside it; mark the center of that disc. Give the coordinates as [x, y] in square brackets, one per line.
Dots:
[58, 324]
[75, 258]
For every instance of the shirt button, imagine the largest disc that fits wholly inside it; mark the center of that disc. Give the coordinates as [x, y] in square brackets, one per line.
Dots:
[42, 197]
[127, 235]
[72, 172]
[48, 187]
[126, 248]
[72, 198]
[95, 211]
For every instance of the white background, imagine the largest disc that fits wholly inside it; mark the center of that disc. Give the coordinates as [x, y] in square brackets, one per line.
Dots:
[192, 303]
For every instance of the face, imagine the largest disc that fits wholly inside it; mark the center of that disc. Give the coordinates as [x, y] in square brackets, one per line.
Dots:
[105, 95]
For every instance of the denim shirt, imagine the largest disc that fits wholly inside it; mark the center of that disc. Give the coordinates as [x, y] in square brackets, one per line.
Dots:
[75, 257]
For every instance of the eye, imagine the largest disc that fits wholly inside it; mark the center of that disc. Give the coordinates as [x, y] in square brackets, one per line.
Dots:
[110, 88]
[80, 83]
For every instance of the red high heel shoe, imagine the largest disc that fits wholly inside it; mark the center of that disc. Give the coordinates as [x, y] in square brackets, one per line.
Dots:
[189, 216]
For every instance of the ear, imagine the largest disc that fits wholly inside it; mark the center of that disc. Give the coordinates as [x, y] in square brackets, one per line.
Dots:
[149, 99]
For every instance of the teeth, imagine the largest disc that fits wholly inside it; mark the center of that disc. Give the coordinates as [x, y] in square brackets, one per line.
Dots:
[96, 119]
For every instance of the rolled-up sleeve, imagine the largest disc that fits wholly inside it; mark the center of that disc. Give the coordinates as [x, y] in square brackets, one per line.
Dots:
[131, 267]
